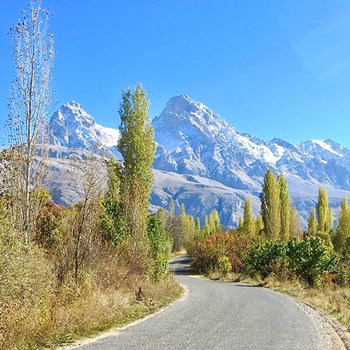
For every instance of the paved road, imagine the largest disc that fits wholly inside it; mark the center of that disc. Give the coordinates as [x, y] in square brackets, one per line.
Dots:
[222, 315]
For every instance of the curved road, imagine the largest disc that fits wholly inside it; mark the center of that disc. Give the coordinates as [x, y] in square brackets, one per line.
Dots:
[222, 315]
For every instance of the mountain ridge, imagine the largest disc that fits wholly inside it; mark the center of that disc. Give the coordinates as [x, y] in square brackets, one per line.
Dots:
[196, 143]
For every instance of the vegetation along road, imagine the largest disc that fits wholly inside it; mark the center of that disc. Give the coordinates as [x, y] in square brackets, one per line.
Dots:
[223, 315]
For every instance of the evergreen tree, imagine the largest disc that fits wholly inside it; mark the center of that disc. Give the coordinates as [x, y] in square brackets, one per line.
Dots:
[285, 208]
[322, 210]
[248, 221]
[312, 223]
[270, 206]
[137, 146]
[342, 236]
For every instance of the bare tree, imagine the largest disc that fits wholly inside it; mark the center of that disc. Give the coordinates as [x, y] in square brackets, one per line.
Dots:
[29, 107]
[89, 178]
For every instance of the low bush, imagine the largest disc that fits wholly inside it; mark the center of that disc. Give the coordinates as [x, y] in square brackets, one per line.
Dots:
[307, 259]
[311, 259]
[263, 259]
[224, 265]
[207, 253]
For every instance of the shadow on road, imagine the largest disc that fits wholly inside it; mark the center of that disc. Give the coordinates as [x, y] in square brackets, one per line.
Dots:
[181, 265]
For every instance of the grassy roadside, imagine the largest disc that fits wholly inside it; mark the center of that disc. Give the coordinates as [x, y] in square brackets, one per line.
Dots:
[104, 316]
[94, 311]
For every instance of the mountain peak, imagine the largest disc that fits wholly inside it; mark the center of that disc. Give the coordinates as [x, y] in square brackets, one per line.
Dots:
[71, 126]
[73, 104]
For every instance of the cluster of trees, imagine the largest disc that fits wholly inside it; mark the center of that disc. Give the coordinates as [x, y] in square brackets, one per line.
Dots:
[321, 224]
[278, 217]
[274, 241]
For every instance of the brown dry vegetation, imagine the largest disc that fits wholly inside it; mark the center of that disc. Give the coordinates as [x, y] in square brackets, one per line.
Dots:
[35, 312]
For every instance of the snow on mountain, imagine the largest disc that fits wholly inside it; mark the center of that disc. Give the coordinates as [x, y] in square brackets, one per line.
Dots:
[193, 139]
[71, 126]
[205, 163]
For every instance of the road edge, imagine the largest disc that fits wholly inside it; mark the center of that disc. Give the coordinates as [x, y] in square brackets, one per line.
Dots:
[114, 331]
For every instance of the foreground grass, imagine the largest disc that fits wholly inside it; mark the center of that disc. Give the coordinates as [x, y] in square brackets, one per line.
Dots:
[90, 312]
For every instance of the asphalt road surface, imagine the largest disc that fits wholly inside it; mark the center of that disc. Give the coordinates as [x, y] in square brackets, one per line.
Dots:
[222, 315]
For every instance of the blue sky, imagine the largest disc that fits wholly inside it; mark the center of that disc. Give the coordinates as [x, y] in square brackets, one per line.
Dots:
[271, 68]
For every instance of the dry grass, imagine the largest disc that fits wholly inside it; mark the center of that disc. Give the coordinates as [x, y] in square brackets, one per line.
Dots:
[36, 313]
[81, 313]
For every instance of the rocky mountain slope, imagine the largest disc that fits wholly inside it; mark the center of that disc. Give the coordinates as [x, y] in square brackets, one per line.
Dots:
[205, 163]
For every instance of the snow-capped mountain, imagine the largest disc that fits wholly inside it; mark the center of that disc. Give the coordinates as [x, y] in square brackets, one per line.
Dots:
[71, 126]
[192, 139]
[205, 163]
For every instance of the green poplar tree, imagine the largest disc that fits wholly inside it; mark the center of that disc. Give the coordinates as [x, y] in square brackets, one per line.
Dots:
[284, 208]
[206, 227]
[329, 221]
[240, 224]
[214, 221]
[312, 223]
[258, 225]
[295, 228]
[342, 238]
[322, 210]
[198, 226]
[270, 206]
[248, 221]
[137, 146]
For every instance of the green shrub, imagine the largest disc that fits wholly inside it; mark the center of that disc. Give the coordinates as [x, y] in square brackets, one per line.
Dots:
[224, 265]
[112, 226]
[310, 259]
[264, 258]
[160, 248]
[342, 277]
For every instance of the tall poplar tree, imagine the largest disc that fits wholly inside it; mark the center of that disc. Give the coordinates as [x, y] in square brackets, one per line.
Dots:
[329, 221]
[312, 223]
[342, 238]
[258, 225]
[270, 206]
[322, 210]
[285, 207]
[295, 228]
[137, 146]
[214, 221]
[248, 221]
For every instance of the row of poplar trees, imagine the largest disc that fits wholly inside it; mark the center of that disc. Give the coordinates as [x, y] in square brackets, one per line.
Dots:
[321, 220]
[278, 217]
